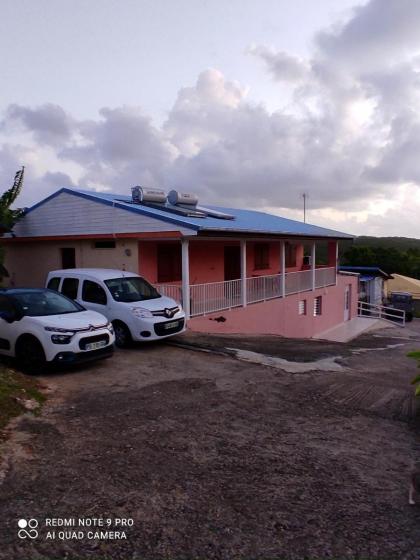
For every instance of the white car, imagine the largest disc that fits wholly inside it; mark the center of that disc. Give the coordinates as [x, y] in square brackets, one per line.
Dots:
[39, 326]
[134, 307]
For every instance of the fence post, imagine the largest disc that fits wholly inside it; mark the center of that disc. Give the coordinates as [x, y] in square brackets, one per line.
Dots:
[283, 268]
[243, 273]
[313, 264]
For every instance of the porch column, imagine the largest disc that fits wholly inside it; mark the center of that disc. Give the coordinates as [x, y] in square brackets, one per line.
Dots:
[243, 273]
[336, 262]
[283, 268]
[185, 277]
[313, 264]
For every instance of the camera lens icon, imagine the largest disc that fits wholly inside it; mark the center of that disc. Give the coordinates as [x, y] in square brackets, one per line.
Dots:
[27, 528]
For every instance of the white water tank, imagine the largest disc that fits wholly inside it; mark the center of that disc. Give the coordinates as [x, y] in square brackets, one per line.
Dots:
[142, 194]
[175, 197]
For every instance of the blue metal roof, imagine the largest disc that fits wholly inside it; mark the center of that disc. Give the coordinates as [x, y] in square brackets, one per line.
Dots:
[374, 270]
[245, 221]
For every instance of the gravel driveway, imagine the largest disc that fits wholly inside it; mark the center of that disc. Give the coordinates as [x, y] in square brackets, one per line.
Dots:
[202, 455]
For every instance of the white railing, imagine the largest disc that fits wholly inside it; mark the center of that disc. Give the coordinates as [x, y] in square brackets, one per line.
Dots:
[207, 298]
[216, 296]
[325, 277]
[173, 291]
[374, 311]
[261, 288]
[298, 282]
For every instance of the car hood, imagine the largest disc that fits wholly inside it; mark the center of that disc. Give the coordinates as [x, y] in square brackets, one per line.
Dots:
[155, 304]
[80, 320]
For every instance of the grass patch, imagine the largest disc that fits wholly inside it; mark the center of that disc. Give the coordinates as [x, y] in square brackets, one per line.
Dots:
[415, 354]
[16, 387]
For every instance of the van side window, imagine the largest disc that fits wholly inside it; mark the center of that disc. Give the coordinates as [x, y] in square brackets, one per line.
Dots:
[70, 287]
[54, 283]
[93, 292]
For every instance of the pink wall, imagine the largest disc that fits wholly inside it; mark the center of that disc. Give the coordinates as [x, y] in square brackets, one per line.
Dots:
[148, 261]
[207, 260]
[280, 316]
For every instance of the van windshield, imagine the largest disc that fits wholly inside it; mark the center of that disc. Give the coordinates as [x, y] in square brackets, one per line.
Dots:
[131, 289]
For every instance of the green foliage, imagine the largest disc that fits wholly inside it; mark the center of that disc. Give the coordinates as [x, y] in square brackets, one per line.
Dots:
[14, 388]
[416, 380]
[9, 216]
[398, 255]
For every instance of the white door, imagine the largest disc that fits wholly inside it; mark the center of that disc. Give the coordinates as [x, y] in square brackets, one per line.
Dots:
[347, 302]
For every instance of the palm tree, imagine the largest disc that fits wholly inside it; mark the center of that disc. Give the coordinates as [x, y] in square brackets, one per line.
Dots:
[9, 216]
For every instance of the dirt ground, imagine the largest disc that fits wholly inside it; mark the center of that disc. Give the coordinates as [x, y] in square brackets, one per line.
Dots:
[215, 457]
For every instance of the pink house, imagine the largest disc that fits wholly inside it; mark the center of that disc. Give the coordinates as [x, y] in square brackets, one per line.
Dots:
[235, 271]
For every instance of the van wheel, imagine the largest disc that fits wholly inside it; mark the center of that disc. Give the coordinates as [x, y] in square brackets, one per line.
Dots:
[122, 334]
[30, 355]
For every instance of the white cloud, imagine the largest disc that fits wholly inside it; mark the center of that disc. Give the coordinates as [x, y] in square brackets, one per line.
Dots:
[349, 136]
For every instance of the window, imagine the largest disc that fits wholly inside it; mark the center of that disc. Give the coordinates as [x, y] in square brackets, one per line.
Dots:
[70, 287]
[302, 307]
[39, 303]
[318, 306]
[290, 254]
[106, 244]
[131, 289]
[261, 256]
[68, 257]
[169, 263]
[54, 283]
[93, 293]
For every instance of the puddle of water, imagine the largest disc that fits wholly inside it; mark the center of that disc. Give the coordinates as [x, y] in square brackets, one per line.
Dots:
[325, 364]
[387, 347]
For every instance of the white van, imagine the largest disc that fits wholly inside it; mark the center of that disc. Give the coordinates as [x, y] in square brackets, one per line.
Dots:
[135, 308]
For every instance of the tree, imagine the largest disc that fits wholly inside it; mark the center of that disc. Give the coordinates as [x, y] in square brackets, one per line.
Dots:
[9, 216]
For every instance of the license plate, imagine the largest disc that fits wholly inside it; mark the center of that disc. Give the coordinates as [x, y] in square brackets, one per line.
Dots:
[171, 325]
[95, 345]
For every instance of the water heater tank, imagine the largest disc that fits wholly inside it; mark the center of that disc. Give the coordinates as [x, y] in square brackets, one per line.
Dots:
[142, 194]
[175, 197]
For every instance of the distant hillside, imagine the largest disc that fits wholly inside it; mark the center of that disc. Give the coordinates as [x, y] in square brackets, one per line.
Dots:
[403, 243]
[392, 254]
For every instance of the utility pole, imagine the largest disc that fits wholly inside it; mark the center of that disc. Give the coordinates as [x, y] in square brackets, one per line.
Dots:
[304, 196]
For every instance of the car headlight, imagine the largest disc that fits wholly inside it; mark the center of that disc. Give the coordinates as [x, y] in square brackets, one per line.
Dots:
[61, 338]
[141, 312]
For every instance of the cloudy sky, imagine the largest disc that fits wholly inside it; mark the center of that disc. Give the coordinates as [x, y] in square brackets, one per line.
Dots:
[246, 103]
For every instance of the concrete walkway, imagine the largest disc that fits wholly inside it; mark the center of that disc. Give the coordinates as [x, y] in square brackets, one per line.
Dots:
[353, 328]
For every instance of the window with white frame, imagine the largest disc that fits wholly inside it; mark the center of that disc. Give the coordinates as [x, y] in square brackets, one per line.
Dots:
[318, 306]
[302, 307]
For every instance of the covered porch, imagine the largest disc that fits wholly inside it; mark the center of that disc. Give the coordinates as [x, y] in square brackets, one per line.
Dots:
[208, 275]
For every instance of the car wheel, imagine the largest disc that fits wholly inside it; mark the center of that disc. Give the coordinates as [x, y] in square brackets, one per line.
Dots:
[122, 334]
[30, 356]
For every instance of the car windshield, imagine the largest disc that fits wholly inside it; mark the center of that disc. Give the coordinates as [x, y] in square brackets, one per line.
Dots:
[132, 288]
[39, 304]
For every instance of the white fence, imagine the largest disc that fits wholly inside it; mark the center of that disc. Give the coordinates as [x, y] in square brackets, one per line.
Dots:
[207, 298]
[380, 312]
[173, 291]
[324, 277]
[262, 288]
[216, 296]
